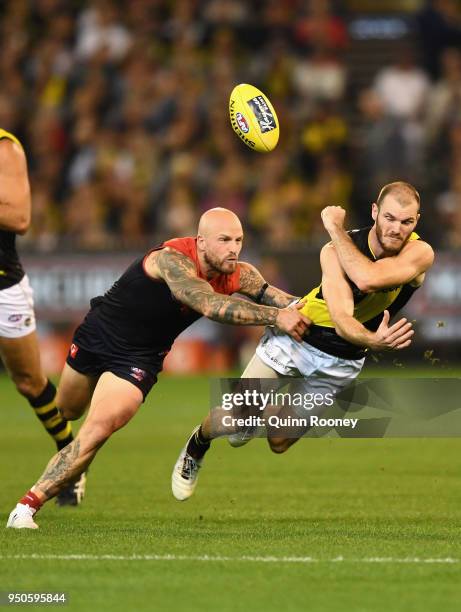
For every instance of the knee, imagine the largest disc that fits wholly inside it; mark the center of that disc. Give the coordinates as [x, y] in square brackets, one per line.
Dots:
[28, 385]
[278, 445]
[100, 429]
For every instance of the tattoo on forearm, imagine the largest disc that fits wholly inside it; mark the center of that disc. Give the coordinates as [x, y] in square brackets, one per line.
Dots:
[241, 312]
[59, 468]
[225, 309]
[251, 282]
[276, 297]
[179, 273]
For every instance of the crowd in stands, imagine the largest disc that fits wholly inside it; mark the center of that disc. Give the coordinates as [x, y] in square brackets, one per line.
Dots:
[122, 108]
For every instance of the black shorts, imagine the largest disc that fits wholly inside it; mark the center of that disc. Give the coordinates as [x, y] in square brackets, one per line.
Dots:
[92, 363]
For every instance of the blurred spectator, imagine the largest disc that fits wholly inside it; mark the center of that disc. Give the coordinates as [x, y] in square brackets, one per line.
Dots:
[228, 188]
[444, 106]
[332, 186]
[403, 87]
[45, 225]
[319, 77]
[85, 218]
[403, 90]
[448, 206]
[325, 131]
[229, 12]
[439, 27]
[380, 151]
[100, 29]
[319, 26]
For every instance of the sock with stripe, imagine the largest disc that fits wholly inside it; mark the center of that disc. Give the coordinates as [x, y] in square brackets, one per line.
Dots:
[52, 420]
[31, 500]
[198, 444]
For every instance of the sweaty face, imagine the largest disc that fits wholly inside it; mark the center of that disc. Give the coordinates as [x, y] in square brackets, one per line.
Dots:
[222, 251]
[394, 224]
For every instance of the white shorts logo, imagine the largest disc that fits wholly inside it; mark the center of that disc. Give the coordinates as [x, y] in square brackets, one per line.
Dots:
[17, 317]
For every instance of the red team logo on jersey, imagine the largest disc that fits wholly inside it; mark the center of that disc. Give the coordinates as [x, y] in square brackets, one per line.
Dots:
[73, 350]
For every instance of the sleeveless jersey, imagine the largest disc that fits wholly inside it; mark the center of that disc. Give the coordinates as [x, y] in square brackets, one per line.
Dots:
[11, 270]
[368, 307]
[139, 315]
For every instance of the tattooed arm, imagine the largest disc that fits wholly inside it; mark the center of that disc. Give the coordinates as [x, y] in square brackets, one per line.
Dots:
[178, 271]
[252, 285]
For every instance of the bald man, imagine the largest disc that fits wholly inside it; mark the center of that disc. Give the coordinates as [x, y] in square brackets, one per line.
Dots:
[118, 350]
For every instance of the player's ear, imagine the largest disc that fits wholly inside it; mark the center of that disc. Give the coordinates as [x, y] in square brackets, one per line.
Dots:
[374, 211]
[200, 242]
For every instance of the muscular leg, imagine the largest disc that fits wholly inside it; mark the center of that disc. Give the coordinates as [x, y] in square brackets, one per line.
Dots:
[115, 401]
[74, 392]
[22, 361]
[21, 357]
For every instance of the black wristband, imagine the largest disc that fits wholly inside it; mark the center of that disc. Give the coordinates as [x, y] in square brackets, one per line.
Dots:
[261, 293]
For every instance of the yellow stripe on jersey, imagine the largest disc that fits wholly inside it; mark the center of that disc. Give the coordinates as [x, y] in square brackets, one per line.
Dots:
[9, 136]
[371, 305]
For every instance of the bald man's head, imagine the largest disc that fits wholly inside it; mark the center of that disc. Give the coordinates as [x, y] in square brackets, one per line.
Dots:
[219, 240]
[217, 219]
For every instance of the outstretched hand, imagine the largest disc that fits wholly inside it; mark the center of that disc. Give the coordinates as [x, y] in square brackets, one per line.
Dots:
[395, 337]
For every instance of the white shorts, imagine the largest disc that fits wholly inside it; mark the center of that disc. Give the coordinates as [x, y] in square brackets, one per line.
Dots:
[299, 359]
[17, 318]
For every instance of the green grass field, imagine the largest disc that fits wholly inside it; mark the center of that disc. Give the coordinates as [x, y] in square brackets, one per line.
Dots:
[333, 525]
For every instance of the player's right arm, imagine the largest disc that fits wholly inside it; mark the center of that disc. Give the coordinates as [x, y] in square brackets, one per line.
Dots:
[408, 266]
[339, 299]
[15, 204]
[179, 273]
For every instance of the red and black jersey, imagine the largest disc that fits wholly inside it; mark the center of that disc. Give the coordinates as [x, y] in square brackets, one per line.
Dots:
[139, 315]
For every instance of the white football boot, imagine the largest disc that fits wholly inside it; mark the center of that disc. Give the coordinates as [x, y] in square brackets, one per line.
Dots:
[22, 517]
[185, 473]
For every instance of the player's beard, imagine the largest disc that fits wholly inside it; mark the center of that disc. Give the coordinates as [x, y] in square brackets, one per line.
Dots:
[221, 266]
[390, 247]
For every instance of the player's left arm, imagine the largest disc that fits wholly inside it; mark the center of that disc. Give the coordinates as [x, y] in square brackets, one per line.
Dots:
[409, 266]
[15, 204]
[254, 286]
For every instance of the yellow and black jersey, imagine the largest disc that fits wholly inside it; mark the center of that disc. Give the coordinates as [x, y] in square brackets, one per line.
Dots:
[368, 307]
[11, 270]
